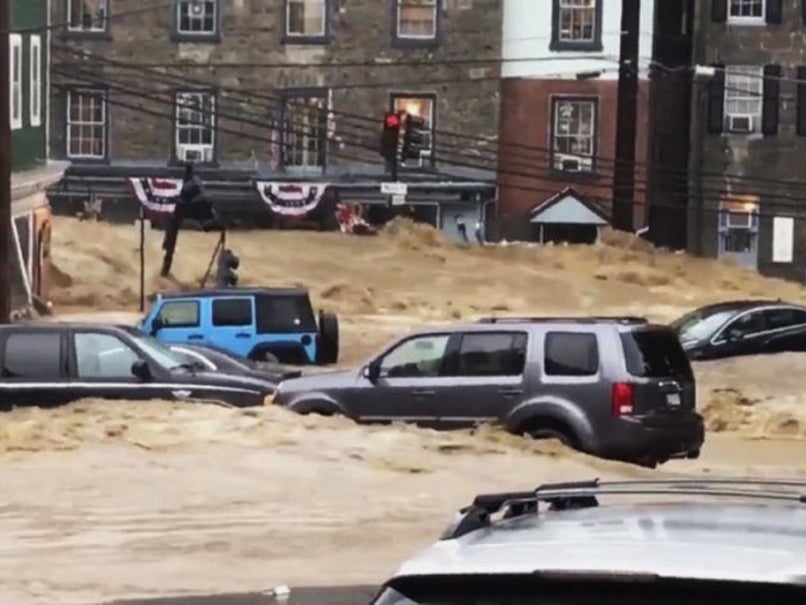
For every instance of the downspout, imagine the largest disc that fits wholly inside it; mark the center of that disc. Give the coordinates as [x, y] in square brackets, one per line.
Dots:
[46, 121]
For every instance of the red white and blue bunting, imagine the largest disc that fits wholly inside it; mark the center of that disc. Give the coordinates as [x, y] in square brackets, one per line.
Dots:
[291, 199]
[157, 195]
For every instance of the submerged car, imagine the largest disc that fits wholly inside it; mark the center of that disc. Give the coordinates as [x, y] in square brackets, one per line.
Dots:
[216, 359]
[744, 327]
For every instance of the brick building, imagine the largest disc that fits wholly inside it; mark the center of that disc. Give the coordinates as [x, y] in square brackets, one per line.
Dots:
[749, 135]
[282, 91]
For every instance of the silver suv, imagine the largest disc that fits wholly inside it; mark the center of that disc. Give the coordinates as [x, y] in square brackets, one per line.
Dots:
[715, 542]
[615, 387]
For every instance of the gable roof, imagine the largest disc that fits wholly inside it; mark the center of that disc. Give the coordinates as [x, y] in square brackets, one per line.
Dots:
[569, 206]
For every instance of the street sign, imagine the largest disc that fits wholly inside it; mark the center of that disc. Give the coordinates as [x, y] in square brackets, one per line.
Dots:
[398, 200]
[394, 188]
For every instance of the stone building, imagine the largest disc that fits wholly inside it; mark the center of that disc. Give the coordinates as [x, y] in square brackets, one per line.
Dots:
[280, 91]
[749, 135]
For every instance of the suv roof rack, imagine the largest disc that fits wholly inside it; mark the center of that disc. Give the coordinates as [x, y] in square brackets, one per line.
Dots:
[628, 319]
[583, 494]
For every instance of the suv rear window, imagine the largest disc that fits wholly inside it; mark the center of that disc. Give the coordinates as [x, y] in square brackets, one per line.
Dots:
[655, 354]
[289, 314]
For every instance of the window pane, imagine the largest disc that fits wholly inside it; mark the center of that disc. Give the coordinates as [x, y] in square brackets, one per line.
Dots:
[197, 16]
[571, 354]
[232, 312]
[306, 17]
[103, 356]
[492, 354]
[305, 131]
[180, 314]
[417, 18]
[418, 357]
[577, 19]
[32, 355]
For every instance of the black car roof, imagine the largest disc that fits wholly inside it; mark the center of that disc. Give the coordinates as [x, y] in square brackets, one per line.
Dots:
[743, 305]
[285, 291]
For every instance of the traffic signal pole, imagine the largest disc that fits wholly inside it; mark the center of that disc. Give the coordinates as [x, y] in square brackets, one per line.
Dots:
[5, 166]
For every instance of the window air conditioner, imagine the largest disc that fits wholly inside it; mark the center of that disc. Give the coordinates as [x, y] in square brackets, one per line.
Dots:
[195, 153]
[571, 163]
[740, 220]
[740, 123]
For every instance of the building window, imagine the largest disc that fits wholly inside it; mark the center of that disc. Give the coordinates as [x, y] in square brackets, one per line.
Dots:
[577, 25]
[305, 128]
[86, 124]
[195, 126]
[747, 10]
[573, 145]
[420, 106]
[197, 18]
[743, 99]
[15, 76]
[306, 19]
[35, 98]
[416, 19]
[87, 15]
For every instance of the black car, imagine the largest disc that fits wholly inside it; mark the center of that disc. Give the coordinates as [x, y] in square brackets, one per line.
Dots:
[52, 364]
[613, 387]
[744, 327]
[216, 359]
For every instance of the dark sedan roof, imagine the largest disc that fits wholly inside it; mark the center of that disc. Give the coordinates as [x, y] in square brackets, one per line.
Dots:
[743, 305]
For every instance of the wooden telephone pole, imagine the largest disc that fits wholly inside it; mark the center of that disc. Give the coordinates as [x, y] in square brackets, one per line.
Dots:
[5, 165]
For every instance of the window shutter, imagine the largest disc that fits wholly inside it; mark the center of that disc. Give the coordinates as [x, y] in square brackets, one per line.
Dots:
[775, 12]
[803, 11]
[716, 101]
[719, 11]
[771, 102]
[801, 124]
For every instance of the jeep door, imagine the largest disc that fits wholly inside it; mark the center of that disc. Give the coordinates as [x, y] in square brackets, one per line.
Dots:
[489, 369]
[410, 385]
[34, 370]
[232, 323]
[180, 321]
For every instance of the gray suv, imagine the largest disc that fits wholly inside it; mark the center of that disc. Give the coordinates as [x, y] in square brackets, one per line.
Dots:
[618, 388]
[698, 542]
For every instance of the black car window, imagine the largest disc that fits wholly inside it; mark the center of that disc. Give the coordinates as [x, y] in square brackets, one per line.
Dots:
[33, 355]
[103, 356]
[655, 354]
[418, 357]
[180, 314]
[784, 318]
[232, 312]
[571, 354]
[491, 354]
[285, 314]
[748, 323]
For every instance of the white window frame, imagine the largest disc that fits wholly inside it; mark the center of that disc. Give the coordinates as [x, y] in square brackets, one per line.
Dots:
[746, 20]
[401, 4]
[575, 9]
[587, 161]
[290, 141]
[206, 151]
[751, 80]
[398, 104]
[203, 33]
[35, 88]
[90, 124]
[15, 84]
[323, 26]
[102, 4]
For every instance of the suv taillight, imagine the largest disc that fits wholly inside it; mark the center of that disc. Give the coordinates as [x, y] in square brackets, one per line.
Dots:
[623, 400]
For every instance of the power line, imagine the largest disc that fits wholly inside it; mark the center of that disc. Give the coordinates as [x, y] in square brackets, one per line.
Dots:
[365, 146]
[657, 168]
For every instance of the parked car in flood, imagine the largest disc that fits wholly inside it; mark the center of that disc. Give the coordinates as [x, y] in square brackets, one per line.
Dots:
[742, 327]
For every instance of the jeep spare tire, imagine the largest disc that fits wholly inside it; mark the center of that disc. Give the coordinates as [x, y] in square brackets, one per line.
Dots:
[327, 351]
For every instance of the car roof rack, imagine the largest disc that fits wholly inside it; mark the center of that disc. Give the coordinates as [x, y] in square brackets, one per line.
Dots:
[583, 494]
[629, 319]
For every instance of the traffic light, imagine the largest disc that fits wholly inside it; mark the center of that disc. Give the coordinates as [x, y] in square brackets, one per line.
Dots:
[227, 265]
[390, 137]
[416, 138]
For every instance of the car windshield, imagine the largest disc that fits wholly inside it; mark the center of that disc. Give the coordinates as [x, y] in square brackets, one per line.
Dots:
[162, 355]
[534, 590]
[699, 325]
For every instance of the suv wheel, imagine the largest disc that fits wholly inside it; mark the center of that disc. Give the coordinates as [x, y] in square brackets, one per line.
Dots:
[561, 434]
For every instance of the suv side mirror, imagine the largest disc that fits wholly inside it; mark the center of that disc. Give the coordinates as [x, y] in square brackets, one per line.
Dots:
[156, 325]
[373, 371]
[141, 370]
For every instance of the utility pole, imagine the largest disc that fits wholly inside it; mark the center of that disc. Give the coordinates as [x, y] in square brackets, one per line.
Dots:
[624, 174]
[5, 165]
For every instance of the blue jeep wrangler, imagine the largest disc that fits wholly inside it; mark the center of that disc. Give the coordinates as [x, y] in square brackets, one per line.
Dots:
[262, 324]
